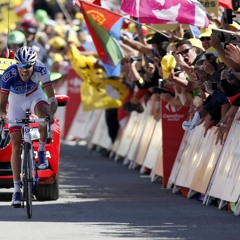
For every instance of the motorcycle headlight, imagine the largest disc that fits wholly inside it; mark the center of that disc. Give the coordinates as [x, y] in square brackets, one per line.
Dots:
[34, 134]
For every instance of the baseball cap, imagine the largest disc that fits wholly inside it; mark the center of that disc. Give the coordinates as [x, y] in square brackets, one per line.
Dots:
[57, 42]
[196, 43]
[41, 16]
[168, 63]
[212, 51]
[205, 32]
[57, 57]
[157, 38]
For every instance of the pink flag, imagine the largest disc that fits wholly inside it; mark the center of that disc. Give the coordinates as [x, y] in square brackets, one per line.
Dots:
[131, 7]
[166, 12]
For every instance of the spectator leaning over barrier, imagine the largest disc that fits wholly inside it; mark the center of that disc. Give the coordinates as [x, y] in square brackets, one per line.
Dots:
[186, 56]
[151, 48]
[178, 79]
[208, 70]
[153, 51]
[205, 37]
[229, 85]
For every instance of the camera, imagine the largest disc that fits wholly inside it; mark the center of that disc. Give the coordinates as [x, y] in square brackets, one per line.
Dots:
[159, 90]
[231, 76]
[161, 82]
[219, 34]
[132, 59]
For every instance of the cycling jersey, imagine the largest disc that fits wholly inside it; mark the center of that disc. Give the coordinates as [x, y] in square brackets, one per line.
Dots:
[24, 95]
[11, 80]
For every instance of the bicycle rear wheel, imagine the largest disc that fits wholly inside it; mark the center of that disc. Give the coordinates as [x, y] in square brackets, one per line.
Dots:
[27, 179]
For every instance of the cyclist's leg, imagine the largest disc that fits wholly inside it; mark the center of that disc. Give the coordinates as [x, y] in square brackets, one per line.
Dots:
[41, 108]
[16, 112]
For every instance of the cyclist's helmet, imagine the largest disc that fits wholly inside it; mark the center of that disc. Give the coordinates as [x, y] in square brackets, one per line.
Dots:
[26, 55]
[16, 38]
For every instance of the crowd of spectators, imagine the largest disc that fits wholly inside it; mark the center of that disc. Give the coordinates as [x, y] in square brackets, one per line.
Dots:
[201, 71]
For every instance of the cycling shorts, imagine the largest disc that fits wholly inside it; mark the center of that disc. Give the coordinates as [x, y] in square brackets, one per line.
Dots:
[18, 104]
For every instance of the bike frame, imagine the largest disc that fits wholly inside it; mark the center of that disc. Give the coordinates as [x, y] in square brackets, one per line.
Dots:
[29, 176]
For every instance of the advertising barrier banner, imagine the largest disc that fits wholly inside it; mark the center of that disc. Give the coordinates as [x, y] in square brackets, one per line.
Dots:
[172, 134]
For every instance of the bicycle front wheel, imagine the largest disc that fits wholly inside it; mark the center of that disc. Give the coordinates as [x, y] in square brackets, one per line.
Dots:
[27, 179]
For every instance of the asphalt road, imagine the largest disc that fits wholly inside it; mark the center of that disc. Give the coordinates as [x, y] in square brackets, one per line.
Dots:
[102, 199]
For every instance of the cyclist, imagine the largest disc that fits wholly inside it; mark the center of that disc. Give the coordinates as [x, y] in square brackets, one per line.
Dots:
[21, 89]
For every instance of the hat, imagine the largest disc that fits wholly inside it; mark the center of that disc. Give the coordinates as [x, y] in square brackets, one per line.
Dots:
[60, 30]
[205, 32]
[213, 51]
[196, 43]
[29, 25]
[234, 27]
[157, 38]
[41, 16]
[57, 42]
[16, 38]
[168, 63]
[57, 57]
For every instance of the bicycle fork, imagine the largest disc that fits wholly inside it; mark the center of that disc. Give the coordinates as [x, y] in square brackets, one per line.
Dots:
[32, 163]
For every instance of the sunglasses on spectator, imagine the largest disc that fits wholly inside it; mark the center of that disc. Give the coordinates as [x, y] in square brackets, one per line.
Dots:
[205, 38]
[24, 66]
[184, 51]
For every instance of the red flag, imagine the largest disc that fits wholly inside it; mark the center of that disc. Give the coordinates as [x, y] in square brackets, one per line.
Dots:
[226, 4]
[96, 2]
[105, 26]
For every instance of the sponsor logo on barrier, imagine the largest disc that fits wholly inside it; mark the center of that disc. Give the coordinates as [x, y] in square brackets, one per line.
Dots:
[173, 115]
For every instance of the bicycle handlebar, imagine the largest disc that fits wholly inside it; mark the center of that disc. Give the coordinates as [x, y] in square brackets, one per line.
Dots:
[27, 120]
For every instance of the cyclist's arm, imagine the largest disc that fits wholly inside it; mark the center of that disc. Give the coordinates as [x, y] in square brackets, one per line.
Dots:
[52, 100]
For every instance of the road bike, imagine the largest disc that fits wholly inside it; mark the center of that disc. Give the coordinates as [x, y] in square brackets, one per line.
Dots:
[29, 170]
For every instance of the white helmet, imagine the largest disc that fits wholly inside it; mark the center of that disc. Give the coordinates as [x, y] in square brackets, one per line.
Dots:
[25, 55]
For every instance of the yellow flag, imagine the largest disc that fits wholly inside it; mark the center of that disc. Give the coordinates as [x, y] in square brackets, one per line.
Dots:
[96, 97]
[96, 92]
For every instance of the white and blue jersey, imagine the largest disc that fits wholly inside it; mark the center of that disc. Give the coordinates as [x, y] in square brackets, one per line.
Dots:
[24, 95]
[11, 80]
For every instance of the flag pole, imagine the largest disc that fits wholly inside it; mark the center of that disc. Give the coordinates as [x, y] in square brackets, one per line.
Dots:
[127, 18]
[154, 29]
[223, 30]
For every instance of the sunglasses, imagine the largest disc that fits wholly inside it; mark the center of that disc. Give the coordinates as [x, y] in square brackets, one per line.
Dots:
[184, 51]
[24, 66]
[205, 38]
